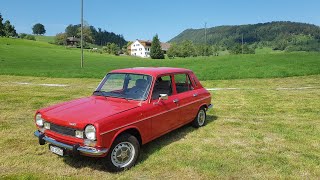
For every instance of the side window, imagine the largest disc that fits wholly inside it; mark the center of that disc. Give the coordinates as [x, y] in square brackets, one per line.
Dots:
[162, 86]
[183, 83]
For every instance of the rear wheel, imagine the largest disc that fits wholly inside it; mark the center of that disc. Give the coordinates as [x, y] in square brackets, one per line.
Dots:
[201, 118]
[123, 153]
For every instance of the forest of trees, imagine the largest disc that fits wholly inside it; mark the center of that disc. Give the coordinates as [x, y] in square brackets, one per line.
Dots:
[289, 36]
[91, 35]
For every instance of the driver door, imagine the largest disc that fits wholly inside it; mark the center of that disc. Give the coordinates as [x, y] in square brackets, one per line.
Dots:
[164, 112]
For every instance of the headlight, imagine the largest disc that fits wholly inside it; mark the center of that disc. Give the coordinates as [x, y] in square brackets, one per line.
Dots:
[90, 132]
[39, 120]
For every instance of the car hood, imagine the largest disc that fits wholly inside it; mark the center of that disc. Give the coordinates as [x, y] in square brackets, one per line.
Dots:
[78, 113]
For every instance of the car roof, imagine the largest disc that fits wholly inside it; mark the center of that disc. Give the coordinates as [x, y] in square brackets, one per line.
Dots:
[153, 71]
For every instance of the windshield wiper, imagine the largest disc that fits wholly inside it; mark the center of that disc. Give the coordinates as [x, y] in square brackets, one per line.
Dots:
[98, 93]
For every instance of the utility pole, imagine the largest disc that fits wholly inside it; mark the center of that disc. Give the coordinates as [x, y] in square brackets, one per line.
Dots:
[242, 44]
[205, 39]
[81, 33]
[205, 32]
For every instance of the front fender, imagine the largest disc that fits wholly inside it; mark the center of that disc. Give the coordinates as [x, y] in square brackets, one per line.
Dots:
[110, 137]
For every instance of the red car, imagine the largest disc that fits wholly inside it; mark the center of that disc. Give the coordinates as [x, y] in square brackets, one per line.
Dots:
[129, 108]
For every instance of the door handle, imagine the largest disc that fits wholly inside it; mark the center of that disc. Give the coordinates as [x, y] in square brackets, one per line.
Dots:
[176, 100]
[195, 95]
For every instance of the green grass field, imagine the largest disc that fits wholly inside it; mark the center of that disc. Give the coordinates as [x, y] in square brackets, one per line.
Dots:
[30, 58]
[48, 39]
[262, 131]
[266, 127]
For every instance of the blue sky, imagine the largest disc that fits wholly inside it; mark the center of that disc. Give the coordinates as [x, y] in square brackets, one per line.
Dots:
[141, 19]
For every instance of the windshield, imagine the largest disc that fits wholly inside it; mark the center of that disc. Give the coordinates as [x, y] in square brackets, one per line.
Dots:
[125, 85]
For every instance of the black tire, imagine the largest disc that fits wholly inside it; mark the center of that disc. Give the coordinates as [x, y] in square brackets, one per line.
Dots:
[123, 143]
[198, 121]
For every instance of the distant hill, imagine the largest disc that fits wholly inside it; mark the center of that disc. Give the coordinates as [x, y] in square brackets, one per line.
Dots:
[279, 35]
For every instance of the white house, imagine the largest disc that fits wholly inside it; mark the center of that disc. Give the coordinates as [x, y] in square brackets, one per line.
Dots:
[142, 48]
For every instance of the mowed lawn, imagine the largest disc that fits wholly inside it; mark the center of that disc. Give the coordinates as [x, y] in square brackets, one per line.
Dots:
[269, 128]
[32, 58]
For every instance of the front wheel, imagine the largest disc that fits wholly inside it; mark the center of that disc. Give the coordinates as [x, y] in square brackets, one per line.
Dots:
[201, 118]
[123, 153]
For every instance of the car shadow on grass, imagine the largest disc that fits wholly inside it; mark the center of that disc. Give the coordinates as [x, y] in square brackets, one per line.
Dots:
[146, 150]
[173, 136]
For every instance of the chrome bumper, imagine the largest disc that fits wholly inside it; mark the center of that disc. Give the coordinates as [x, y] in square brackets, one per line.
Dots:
[82, 149]
[210, 106]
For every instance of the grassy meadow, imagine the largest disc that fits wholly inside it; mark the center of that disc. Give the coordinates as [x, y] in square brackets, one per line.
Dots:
[267, 126]
[31, 58]
[259, 131]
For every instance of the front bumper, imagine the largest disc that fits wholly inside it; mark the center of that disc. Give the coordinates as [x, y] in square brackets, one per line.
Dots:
[210, 106]
[76, 149]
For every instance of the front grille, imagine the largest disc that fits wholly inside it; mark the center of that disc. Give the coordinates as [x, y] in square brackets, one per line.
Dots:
[62, 130]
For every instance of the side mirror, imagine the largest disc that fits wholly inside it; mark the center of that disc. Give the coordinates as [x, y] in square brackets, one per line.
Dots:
[163, 96]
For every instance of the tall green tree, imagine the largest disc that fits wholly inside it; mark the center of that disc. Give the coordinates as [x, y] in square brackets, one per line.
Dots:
[9, 29]
[38, 29]
[87, 34]
[155, 51]
[72, 30]
[236, 49]
[111, 48]
[173, 51]
[1, 26]
[187, 49]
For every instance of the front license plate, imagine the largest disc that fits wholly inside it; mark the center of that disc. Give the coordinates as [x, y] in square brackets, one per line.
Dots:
[56, 150]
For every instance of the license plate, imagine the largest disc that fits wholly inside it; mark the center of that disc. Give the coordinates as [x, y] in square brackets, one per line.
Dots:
[56, 150]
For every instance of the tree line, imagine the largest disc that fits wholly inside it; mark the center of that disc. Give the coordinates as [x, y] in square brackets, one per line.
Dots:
[188, 49]
[6, 29]
[90, 35]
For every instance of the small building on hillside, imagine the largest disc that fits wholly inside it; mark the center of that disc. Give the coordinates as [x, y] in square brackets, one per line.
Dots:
[142, 48]
[72, 41]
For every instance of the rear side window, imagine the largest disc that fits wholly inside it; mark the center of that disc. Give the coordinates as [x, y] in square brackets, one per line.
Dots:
[183, 83]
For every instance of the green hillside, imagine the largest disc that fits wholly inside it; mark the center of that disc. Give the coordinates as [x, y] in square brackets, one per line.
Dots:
[291, 36]
[48, 39]
[33, 58]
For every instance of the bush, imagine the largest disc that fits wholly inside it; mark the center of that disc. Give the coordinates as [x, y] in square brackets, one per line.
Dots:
[111, 48]
[30, 37]
[60, 39]
[23, 35]
[27, 36]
